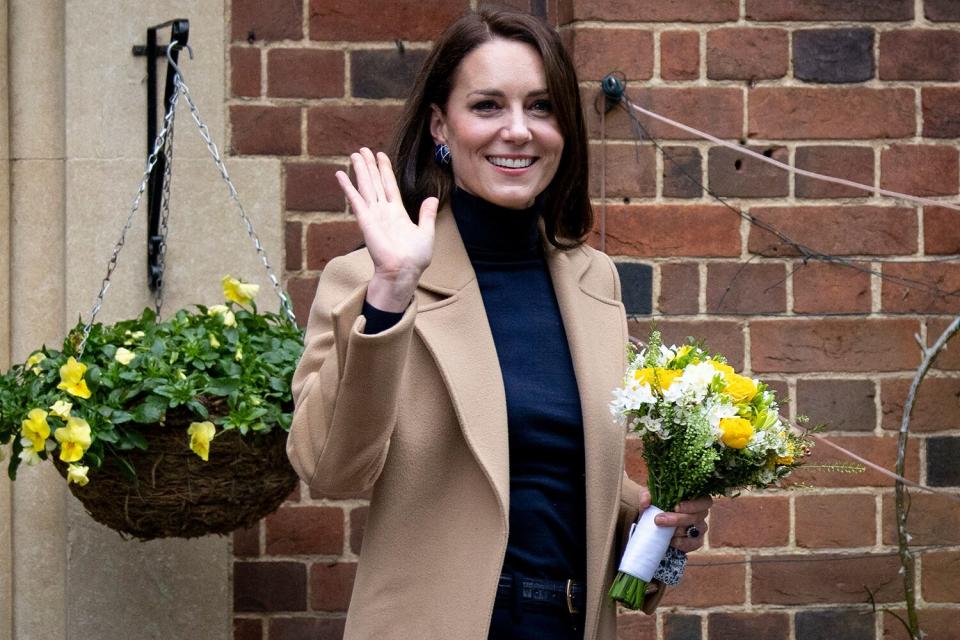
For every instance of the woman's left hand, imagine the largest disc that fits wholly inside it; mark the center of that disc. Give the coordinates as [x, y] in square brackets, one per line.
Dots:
[689, 513]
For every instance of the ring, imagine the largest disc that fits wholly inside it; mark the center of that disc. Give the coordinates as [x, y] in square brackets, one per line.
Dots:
[693, 531]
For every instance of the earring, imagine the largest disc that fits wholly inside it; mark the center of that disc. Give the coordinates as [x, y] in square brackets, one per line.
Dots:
[441, 155]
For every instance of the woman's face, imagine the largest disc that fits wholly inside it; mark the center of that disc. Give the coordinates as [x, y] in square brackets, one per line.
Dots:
[505, 144]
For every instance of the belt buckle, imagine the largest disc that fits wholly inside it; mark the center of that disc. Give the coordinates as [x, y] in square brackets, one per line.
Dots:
[569, 590]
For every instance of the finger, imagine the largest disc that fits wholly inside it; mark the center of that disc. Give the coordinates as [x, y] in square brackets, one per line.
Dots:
[364, 180]
[686, 544]
[684, 532]
[673, 519]
[645, 498]
[390, 187]
[428, 215]
[375, 177]
[356, 201]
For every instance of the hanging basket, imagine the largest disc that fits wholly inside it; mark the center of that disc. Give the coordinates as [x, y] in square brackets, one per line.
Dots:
[177, 494]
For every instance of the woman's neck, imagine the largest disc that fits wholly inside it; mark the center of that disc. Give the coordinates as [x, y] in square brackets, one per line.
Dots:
[489, 230]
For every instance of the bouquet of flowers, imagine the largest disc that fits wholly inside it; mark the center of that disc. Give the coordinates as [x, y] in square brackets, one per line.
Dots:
[706, 430]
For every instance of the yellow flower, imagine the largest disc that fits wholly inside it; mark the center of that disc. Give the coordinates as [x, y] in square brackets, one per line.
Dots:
[61, 409]
[133, 336]
[740, 388]
[74, 439]
[722, 367]
[659, 378]
[224, 311]
[77, 474]
[214, 342]
[201, 433]
[737, 432]
[71, 378]
[239, 292]
[35, 429]
[124, 356]
[238, 356]
[787, 459]
[682, 351]
[34, 360]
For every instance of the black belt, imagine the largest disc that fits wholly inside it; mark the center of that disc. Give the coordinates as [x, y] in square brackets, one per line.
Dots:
[569, 596]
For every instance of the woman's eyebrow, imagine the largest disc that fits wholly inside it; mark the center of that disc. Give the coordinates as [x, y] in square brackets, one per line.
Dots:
[497, 93]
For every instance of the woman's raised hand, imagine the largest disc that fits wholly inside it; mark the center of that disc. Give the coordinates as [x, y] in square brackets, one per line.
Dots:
[401, 249]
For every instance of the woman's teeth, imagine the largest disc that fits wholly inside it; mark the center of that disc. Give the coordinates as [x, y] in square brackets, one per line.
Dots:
[511, 163]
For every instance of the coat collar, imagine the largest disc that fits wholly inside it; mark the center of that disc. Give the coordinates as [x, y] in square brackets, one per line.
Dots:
[453, 325]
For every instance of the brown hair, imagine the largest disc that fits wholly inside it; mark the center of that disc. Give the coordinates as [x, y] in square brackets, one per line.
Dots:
[567, 213]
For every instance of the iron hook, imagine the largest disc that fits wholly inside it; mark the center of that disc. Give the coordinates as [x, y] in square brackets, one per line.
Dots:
[175, 43]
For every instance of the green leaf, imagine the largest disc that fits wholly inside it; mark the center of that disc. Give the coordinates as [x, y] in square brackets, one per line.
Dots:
[223, 386]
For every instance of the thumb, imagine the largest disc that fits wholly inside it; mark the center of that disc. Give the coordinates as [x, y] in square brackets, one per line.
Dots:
[645, 499]
[428, 214]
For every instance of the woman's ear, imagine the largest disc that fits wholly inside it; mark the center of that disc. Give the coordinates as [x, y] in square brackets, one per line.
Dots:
[438, 125]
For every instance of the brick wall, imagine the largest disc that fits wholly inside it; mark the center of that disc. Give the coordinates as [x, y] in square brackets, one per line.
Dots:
[855, 88]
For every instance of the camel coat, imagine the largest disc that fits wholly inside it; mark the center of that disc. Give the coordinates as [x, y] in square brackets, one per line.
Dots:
[418, 414]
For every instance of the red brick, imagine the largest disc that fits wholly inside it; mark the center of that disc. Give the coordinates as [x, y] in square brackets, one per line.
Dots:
[682, 172]
[822, 287]
[302, 290]
[741, 626]
[651, 10]
[293, 239]
[738, 288]
[250, 21]
[921, 170]
[679, 288]
[681, 626]
[679, 55]
[358, 524]
[941, 10]
[830, 10]
[840, 405]
[937, 405]
[796, 113]
[835, 230]
[836, 520]
[341, 130]
[597, 52]
[245, 72]
[269, 586]
[849, 163]
[941, 231]
[940, 571]
[719, 336]
[709, 580]
[933, 519]
[880, 450]
[265, 130]
[313, 186]
[913, 295]
[738, 175]
[937, 624]
[631, 170]
[673, 230]
[738, 53]
[312, 628]
[750, 522]
[247, 629]
[920, 54]
[949, 358]
[941, 112]
[305, 73]
[331, 585]
[305, 530]
[636, 626]
[827, 579]
[716, 110]
[833, 344]
[634, 464]
[246, 542]
[382, 19]
[327, 240]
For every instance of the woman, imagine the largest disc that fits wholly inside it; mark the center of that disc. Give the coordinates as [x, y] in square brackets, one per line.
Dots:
[461, 364]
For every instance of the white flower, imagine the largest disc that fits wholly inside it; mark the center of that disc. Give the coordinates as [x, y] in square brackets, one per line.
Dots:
[696, 380]
[715, 411]
[28, 455]
[655, 426]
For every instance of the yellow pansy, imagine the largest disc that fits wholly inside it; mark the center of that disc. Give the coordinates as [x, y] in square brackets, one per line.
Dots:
[71, 378]
[238, 356]
[34, 360]
[722, 367]
[224, 312]
[737, 432]
[659, 378]
[35, 429]
[74, 439]
[77, 474]
[740, 388]
[61, 409]
[124, 356]
[682, 351]
[214, 342]
[239, 292]
[201, 433]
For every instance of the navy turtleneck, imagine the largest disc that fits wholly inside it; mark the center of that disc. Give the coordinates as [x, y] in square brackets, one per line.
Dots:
[547, 475]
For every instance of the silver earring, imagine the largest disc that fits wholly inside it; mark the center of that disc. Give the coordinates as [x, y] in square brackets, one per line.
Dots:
[441, 155]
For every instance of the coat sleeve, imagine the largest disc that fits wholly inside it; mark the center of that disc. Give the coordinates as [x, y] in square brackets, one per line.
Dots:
[346, 387]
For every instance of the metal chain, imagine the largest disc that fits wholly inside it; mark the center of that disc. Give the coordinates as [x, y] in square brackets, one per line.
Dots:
[164, 213]
[215, 153]
[112, 264]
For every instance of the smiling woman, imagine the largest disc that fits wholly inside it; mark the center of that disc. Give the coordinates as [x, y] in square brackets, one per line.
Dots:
[461, 363]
